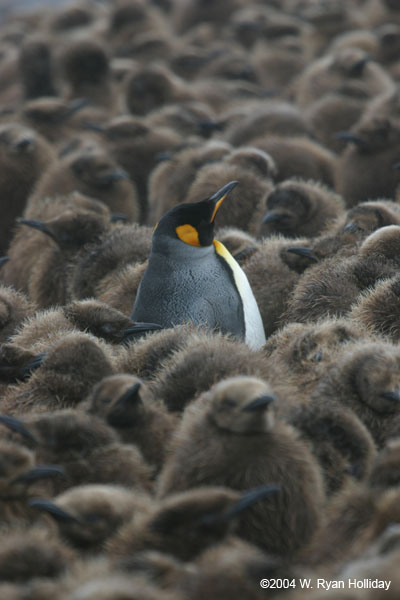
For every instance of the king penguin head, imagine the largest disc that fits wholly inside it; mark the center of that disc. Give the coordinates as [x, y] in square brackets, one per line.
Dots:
[193, 223]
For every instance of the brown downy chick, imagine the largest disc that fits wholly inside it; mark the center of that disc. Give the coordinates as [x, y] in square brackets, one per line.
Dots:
[64, 236]
[153, 86]
[21, 478]
[115, 250]
[370, 216]
[300, 208]
[365, 170]
[339, 441]
[34, 553]
[187, 523]
[93, 172]
[230, 437]
[187, 15]
[332, 286]
[299, 353]
[24, 155]
[14, 308]
[85, 447]
[270, 118]
[349, 71]
[254, 170]
[67, 373]
[119, 288]
[195, 369]
[378, 310]
[35, 65]
[170, 182]
[366, 380]
[138, 146]
[299, 157]
[88, 515]
[87, 70]
[64, 19]
[53, 118]
[191, 118]
[384, 106]
[127, 405]
[385, 470]
[273, 272]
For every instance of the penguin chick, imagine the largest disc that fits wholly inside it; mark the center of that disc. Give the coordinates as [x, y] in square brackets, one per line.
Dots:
[371, 215]
[119, 288]
[88, 515]
[339, 441]
[170, 181]
[377, 309]
[374, 146]
[235, 423]
[273, 272]
[24, 155]
[349, 71]
[85, 447]
[86, 68]
[21, 477]
[53, 118]
[14, 308]
[153, 86]
[253, 168]
[366, 380]
[127, 405]
[299, 353]
[201, 363]
[300, 208]
[331, 287]
[64, 236]
[94, 173]
[73, 365]
[299, 157]
[385, 467]
[129, 244]
[186, 258]
[186, 523]
[32, 553]
[36, 68]
[71, 17]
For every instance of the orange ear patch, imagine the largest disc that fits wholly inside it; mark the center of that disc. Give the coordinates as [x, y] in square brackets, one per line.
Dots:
[188, 234]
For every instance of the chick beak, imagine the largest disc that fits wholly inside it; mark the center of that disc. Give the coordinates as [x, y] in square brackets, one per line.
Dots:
[138, 329]
[393, 395]
[217, 199]
[39, 472]
[347, 136]
[39, 225]
[260, 403]
[17, 425]
[306, 252]
[119, 416]
[272, 217]
[53, 510]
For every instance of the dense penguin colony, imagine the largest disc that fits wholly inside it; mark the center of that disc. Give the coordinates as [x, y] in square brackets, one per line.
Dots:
[140, 461]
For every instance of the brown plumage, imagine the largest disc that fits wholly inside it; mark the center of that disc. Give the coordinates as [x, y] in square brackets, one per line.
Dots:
[195, 368]
[24, 155]
[385, 470]
[364, 171]
[239, 243]
[71, 367]
[93, 172]
[35, 63]
[119, 288]
[366, 379]
[230, 437]
[187, 523]
[123, 246]
[300, 208]
[88, 515]
[253, 169]
[369, 216]
[332, 286]
[127, 405]
[14, 308]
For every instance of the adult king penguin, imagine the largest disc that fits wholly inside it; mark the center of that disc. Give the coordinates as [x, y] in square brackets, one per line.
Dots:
[192, 277]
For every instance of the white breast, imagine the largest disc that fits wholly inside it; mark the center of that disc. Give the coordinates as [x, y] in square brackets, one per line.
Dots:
[255, 334]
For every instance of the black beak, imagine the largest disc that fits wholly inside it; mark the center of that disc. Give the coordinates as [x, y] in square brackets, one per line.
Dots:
[245, 253]
[119, 218]
[113, 177]
[358, 67]
[273, 217]
[347, 136]
[37, 362]
[207, 127]
[17, 425]
[139, 329]
[306, 252]
[3, 260]
[352, 227]
[224, 191]
[259, 403]
[74, 107]
[119, 415]
[39, 225]
[394, 395]
[53, 510]
[40, 472]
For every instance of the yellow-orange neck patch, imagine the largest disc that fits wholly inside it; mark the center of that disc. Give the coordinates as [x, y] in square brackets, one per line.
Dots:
[188, 234]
